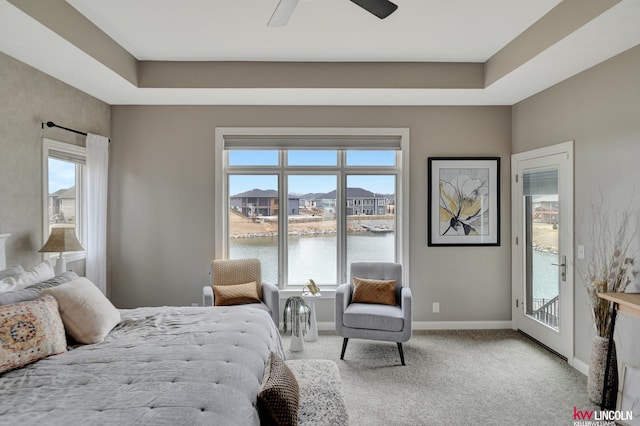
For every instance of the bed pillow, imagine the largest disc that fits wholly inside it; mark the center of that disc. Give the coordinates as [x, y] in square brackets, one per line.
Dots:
[374, 291]
[279, 394]
[88, 316]
[236, 294]
[30, 331]
[41, 272]
[32, 292]
[8, 284]
[11, 272]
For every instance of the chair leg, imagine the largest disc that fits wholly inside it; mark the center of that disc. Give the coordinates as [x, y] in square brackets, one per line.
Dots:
[401, 353]
[344, 347]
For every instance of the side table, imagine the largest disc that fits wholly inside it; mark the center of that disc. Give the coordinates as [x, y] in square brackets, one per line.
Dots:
[312, 333]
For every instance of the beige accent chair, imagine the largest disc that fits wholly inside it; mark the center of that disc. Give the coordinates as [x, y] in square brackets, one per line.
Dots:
[241, 271]
[371, 320]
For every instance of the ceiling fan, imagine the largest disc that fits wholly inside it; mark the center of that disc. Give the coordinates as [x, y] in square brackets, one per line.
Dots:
[285, 8]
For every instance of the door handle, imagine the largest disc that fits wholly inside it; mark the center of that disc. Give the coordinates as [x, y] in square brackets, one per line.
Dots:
[563, 267]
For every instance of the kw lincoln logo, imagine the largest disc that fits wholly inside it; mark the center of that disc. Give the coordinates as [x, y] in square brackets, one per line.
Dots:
[600, 418]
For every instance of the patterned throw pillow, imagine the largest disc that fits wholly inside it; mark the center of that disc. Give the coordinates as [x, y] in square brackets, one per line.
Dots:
[279, 395]
[374, 291]
[30, 331]
[237, 294]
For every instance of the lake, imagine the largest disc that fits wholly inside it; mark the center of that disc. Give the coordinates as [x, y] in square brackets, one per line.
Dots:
[546, 282]
[313, 256]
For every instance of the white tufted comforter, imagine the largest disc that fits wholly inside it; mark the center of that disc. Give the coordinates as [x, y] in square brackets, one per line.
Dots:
[159, 366]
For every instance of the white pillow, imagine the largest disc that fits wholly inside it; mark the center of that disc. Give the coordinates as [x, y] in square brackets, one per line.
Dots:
[39, 273]
[7, 284]
[88, 316]
[11, 272]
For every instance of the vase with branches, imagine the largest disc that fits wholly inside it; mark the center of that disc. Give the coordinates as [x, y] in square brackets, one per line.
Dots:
[608, 268]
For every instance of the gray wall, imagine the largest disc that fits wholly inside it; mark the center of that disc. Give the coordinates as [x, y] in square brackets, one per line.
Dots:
[27, 98]
[600, 110]
[161, 229]
[162, 167]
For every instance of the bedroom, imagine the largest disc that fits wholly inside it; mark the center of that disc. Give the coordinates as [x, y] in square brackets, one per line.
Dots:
[167, 151]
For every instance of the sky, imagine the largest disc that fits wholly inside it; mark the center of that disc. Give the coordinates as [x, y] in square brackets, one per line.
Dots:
[62, 175]
[304, 184]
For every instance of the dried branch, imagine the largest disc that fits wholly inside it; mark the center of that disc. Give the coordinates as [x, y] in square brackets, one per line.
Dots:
[609, 267]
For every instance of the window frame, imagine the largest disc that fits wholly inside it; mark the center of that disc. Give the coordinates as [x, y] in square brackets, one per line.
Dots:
[308, 138]
[49, 146]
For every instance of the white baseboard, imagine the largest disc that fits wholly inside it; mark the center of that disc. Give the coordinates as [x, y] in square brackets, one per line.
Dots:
[442, 325]
[326, 326]
[461, 325]
[581, 366]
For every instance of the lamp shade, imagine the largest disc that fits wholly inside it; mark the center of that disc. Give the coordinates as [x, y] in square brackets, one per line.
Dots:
[61, 240]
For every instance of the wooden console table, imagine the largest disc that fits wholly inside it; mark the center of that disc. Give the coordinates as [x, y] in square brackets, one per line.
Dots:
[628, 303]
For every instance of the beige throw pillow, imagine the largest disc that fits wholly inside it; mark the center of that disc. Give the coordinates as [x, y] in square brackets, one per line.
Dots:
[88, 316]
[236, 294]
[374, 291]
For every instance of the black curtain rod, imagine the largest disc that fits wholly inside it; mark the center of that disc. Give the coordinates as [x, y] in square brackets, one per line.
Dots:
[52, 124]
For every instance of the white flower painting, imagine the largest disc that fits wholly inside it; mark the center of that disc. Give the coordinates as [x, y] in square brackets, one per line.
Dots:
[464, 206]
[464, 201]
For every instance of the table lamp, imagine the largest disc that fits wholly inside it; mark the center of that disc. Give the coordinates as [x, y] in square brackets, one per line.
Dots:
[60, 241]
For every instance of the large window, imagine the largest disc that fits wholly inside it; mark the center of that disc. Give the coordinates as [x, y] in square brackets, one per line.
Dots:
[63, 174]
[308, 204]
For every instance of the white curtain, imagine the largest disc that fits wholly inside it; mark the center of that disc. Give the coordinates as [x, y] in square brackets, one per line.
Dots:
[96, 197]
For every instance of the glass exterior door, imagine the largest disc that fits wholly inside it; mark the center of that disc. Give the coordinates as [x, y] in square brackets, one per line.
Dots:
[543, 261]
[542, 249]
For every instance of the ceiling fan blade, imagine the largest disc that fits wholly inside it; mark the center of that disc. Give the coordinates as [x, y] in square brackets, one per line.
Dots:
[380, 8]
[283, 12]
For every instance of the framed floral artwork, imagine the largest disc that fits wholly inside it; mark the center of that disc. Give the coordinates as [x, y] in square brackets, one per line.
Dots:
[464, 201]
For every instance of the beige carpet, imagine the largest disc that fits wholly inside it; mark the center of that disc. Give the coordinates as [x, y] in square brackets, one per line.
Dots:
[488, 377]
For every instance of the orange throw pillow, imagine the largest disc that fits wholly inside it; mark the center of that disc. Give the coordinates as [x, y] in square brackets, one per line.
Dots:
[237, 294]
[374, 291]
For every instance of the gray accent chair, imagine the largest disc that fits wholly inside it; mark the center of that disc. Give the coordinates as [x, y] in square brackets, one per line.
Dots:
[369, 320]
[241, 271]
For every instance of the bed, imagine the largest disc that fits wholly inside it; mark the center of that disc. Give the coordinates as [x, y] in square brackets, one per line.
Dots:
[150, 366]
[157, 366]
[170, 365]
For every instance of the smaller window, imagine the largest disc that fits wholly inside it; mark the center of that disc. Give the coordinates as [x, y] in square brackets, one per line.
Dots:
[63, 190]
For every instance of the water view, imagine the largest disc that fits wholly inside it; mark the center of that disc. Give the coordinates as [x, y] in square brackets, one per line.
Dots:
[313, 256]
[546, 277]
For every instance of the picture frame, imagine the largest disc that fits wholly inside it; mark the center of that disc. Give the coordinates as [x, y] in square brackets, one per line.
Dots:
[628, 396]
[463, 201]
